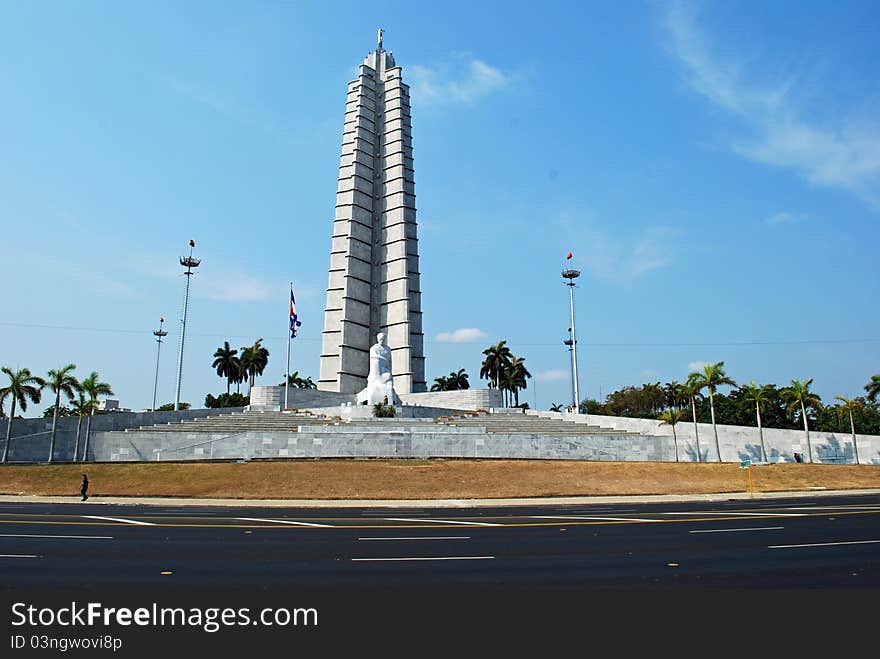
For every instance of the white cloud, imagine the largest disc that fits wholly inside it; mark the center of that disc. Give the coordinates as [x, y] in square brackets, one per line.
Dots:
[459, 84]
[697, 366]
[463, 335]
[553, 375]
[621, 260]
[784, 218]
[844, 156]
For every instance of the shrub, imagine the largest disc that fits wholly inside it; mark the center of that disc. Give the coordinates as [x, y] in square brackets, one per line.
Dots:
[384, 411]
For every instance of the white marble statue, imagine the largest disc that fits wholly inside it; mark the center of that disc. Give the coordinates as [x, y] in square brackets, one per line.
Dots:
[380, 385]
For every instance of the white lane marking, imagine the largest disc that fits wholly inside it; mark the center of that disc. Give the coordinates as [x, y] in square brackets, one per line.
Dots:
[18, 556]
[753, 528]
[698, 513]
[825, 544]
[832, 508]
[438, 521]
[425, 537]
[119, 519]
[283, 521]
[73, 537]
[601, 519]
[429, 558]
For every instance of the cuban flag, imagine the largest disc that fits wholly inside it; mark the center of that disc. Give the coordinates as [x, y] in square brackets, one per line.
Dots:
[294, 323]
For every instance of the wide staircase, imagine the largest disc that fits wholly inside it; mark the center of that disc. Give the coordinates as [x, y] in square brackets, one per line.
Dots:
[513, 423]
[499, 422]
[244, 421]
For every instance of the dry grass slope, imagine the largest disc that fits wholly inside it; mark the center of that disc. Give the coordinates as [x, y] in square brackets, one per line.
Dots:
[434, 479]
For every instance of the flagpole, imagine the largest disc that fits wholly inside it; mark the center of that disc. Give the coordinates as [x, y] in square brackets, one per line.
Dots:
[287, 374]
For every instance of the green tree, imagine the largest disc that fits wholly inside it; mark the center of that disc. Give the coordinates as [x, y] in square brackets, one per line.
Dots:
[850, 405]
[60, 381]
[760, 396]
[440, 384]
[169, 407]
[82, 407]
[799, 397]
[226, 363]
[710, 378]
[93, 387]
[873, 388]
[496, 361]
[294, 380]
[225, 400]
[515, 377]
[254, 359]
[671, 417]
[458, 380]
[22, 388]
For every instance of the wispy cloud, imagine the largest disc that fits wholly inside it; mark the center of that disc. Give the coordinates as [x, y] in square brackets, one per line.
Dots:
[844, 156]
[784, 218]
[463, 335]
[464, 82]
[697, 366]
[616, 259]
[553, 375]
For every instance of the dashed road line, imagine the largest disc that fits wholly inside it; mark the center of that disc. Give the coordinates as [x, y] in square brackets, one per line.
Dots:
[71, 537]
[426, 558]
[424, 537]
[597, 519]
[18, 556]
[768, 514]
[825, 544]
[120, 519]
[284, 521]
[439, 521]
[752, 528]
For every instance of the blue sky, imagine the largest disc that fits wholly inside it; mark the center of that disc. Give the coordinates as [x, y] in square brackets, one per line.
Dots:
[714, 168]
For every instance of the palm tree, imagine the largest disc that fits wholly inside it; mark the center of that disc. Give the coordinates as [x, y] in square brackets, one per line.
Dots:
[873, 388]
[23, 387]
[670, 417]
[691, 389]
[759, 395]
[93, 388]
[556, 407]
[81, 406]
[850, 405]
[254, 360]
[440, 384]
[294, 380]
[799, 398]
[710, 378]
[226, 363]
[61, 382]
[516, 377]
[673, 394]
[497, 358]
[458, 380]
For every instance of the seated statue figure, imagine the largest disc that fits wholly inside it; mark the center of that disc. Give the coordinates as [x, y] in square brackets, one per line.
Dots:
[380, 385]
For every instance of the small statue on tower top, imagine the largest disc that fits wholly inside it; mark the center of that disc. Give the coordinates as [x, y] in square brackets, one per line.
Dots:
[381, 32]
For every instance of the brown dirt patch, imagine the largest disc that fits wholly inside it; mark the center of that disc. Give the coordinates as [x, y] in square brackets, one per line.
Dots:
[434, 479]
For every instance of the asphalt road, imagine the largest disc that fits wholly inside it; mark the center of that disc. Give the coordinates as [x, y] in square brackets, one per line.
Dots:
[376, 564]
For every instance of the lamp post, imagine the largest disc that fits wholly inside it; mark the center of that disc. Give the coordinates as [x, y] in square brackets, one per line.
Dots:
[570, 275]
[189, 262]
[159, 334]
[570, 345]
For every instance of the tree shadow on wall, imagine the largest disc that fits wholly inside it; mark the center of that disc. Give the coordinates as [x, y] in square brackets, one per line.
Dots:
[832, 452]
[691, 452]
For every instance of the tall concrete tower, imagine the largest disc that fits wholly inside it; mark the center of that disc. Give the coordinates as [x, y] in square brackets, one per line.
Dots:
[374, 260]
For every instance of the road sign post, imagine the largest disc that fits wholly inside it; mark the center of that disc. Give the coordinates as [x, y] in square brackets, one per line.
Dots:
[747, 465]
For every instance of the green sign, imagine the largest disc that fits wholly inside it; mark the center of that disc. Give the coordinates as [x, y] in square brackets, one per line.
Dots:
[745, 464]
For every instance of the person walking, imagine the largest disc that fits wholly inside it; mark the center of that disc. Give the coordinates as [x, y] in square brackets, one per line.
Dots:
[85, 487]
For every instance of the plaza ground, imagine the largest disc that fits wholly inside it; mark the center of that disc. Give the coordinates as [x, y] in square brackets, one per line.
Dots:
[425, 479]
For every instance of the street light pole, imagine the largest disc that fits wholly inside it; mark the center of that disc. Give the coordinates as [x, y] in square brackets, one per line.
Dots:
[159, 334]
[190, 263]
[570, 275]
[570, 343]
